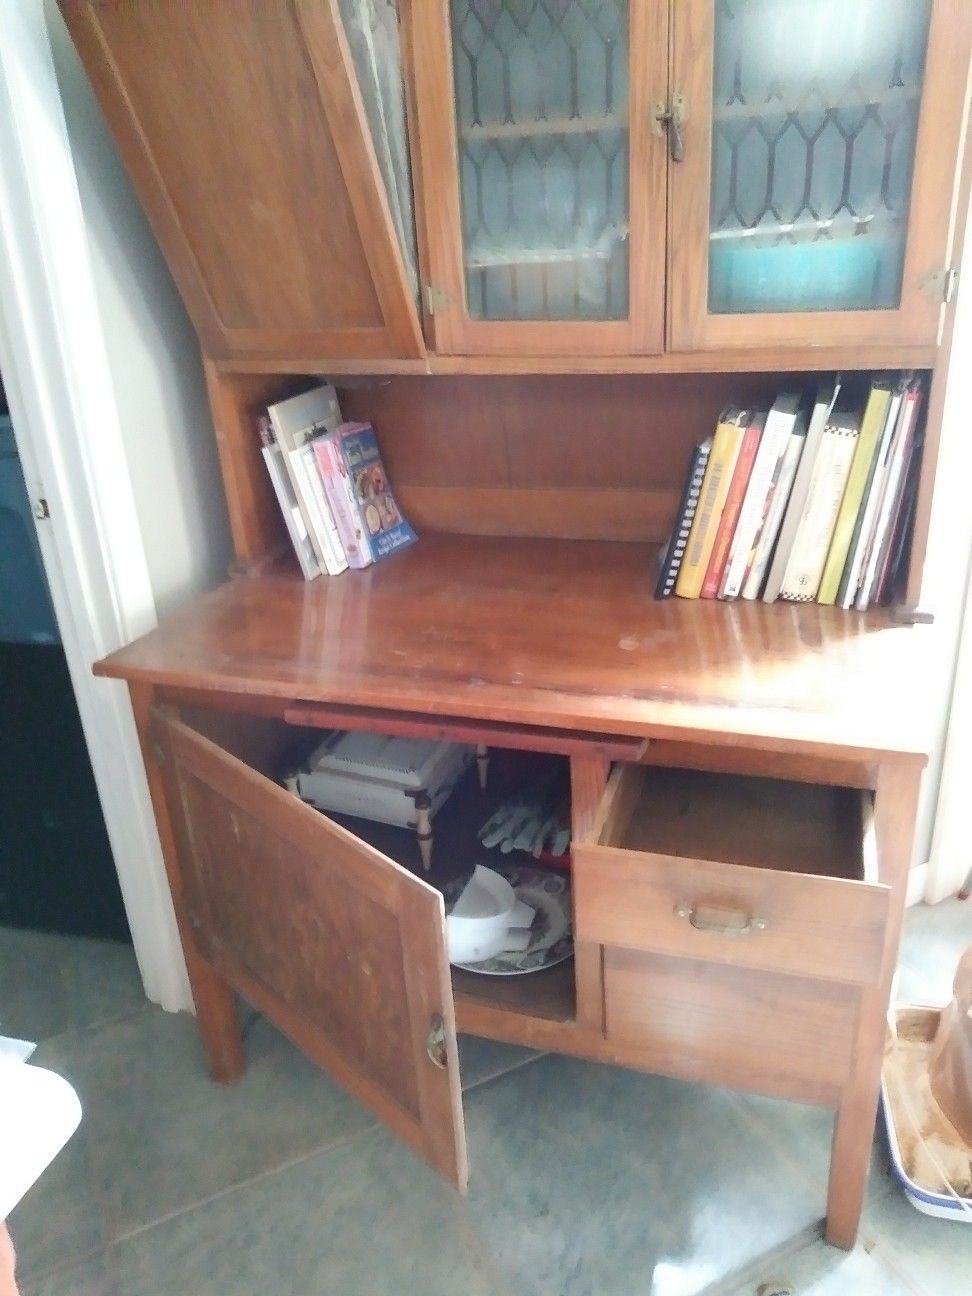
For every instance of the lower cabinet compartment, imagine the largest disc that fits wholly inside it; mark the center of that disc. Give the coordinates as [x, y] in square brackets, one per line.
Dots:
[783, 1035]
[498, 1006]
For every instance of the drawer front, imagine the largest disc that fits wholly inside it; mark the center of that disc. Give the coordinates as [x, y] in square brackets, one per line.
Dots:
[786, 1036]
[730, 914]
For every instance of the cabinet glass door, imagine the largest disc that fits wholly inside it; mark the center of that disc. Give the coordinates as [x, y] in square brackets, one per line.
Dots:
[548, 223]
[541, 97]
[813, 124]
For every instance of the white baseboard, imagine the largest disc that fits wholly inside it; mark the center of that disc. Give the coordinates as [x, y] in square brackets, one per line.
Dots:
[917, 880]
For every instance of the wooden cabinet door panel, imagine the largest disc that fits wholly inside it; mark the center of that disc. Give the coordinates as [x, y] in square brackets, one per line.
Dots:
[814, 204]
[542, 183]
[341, 947]
[244, 132]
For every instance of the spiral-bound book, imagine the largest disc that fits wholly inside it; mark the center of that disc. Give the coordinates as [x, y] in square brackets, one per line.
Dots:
[675, 549]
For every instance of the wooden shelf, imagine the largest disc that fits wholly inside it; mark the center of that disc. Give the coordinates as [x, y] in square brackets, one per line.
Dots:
[490, 131]
[518, 1009]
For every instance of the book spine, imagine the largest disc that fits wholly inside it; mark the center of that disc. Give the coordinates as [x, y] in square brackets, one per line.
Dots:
[675, 551]
[798, 496]
[335, 561]
[293, 520]
[900, 453]
[780, 494]
[715, 487]
[872, 425]
[805, 568]
[892, 575]
[753, 511]
[337, 488]
[732, 507]
[867, 514]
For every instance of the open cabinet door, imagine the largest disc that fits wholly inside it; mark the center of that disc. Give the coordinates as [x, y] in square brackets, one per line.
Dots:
[339, 946]
[243, 128]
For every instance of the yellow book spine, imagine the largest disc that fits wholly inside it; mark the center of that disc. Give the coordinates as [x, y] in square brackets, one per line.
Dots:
[715, 488]
[871, 426]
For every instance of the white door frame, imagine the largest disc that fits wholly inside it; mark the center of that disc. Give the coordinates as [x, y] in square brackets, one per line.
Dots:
[54, 362]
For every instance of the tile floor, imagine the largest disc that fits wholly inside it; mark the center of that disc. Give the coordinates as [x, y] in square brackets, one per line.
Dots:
[586, 1180]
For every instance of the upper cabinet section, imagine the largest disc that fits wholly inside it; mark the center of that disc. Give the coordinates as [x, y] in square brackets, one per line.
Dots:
[543, 173]
[245, 127]
[579, 179]
[813, 202]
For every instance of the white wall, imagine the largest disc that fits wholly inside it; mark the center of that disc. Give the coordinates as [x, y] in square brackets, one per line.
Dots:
[153, 356]
[946, 576]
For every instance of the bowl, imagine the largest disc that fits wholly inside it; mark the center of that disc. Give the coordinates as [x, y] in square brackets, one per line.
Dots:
[478, 928]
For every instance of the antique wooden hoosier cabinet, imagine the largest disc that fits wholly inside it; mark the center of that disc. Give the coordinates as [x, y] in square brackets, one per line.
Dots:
[539, 245]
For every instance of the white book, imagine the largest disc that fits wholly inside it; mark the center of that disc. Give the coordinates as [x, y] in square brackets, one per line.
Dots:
[822, 409]
[830, 472]
[893, 483]
[774, 516]
[870, 508]
[335, 559]
[295, 421]
[284, 491]
[776, 434]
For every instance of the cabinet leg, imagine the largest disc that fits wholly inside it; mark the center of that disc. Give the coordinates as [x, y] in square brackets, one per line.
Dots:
[850, 1160]
[895, 809]
[482, 764]
[218, 1019]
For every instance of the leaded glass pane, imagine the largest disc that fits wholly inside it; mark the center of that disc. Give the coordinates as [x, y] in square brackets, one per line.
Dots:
[541, 92]
[815, 116]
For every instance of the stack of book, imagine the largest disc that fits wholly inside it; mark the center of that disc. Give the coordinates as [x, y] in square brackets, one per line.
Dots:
[331, 485]
[810, 501]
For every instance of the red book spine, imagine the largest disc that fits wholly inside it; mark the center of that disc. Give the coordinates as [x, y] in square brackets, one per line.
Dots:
[731, 511]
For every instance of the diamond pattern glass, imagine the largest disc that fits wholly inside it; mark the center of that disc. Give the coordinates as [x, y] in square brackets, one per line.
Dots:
[541, 92]
[815, 117]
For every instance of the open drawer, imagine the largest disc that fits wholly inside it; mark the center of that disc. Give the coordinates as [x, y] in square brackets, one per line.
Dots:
[756, 873]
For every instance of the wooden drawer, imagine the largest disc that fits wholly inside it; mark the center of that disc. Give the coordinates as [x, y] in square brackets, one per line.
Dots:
[749, 872]
[783, 1035]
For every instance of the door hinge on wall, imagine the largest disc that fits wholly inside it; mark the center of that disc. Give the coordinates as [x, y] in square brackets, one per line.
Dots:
[436, 299]
[941, 284]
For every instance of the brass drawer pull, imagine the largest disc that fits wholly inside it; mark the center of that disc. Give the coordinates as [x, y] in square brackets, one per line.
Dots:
[721, 922]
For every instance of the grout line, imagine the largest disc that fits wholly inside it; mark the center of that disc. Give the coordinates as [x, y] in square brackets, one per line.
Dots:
[292, 1162]
[259, 1177]
[498, 1075]
[758, 1269]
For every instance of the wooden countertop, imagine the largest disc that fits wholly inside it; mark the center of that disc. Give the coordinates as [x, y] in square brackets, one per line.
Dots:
[557, 633]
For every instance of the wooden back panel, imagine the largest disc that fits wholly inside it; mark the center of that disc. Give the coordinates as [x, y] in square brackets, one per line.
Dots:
[243, 130]
[558, 456]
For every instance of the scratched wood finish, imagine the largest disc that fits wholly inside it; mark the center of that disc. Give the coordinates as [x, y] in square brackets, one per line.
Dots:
[242, 128]
[213, 997]
[336, 935]
[557, 634]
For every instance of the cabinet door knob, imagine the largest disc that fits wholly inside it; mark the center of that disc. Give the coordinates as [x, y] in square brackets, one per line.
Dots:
[671, 119]
[720, 922]
[435, 1041]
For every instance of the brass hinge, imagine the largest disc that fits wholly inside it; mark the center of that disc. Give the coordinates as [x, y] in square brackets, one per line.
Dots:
[941, 284]
[436, 299]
